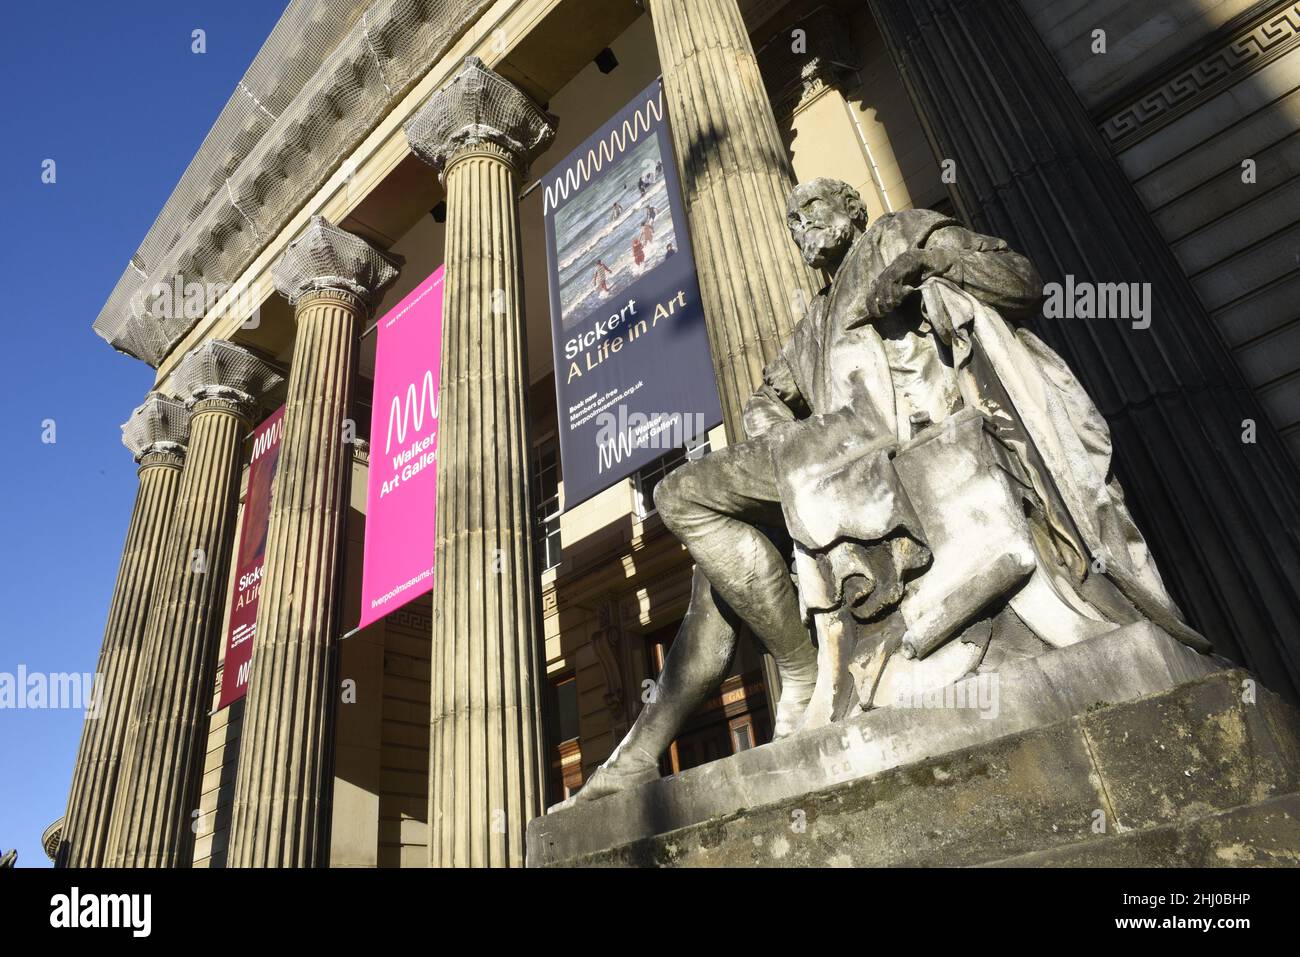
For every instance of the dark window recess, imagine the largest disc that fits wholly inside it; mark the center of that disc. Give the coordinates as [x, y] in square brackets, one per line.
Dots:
[565, 750]
[566, 708]
[546, 504]
[363, 406]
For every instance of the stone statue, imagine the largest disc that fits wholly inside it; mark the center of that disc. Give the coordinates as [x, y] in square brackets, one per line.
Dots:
[935, 478]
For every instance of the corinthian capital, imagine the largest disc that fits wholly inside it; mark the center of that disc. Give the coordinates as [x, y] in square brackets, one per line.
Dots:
[217, 369]
[159, 424]
[325, 257]
[794, 78]
[480, 107]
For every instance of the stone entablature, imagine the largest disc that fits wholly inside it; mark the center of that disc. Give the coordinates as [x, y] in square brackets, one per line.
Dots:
[276, 143]
[1244, 49]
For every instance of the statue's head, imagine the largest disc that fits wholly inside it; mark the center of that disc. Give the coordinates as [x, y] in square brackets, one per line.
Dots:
[825, 216]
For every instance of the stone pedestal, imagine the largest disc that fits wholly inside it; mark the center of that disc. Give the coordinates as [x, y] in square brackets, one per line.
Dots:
[156, 433]
[1127, 749]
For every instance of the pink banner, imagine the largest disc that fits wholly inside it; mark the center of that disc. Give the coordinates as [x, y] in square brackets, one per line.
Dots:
[248, 566]
[401, 510]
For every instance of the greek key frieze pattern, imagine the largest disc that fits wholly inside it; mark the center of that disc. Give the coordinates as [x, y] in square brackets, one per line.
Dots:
[1263, 41]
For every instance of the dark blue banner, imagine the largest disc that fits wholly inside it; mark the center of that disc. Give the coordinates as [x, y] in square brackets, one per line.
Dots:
[633, 376]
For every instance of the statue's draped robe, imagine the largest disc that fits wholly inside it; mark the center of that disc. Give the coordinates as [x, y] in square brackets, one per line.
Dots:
[847, 389]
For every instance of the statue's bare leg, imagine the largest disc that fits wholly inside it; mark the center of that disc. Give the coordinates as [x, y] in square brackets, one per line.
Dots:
[699, 659]
[713, 506]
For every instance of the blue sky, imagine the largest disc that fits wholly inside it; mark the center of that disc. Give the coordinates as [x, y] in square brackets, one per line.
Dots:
[113, 94]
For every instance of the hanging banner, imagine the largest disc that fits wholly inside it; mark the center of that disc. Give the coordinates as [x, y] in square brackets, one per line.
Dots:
[402, 494]
[248, 566]
[633, 376]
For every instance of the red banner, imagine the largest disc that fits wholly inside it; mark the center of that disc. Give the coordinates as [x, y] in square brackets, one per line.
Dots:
[248, 568]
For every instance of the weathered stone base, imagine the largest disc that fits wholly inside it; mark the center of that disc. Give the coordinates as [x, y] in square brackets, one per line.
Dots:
[1125, 750]
[1258, 835]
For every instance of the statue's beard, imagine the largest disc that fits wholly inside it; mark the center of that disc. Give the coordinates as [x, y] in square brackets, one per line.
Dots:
[825, 246]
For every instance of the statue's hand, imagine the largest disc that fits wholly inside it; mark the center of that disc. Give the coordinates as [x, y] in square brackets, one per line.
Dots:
[895, 283]
[903, 277]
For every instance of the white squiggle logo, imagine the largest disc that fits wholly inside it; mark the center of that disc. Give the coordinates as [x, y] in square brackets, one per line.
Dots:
[610, 149]
[619, 435]
[266, 441]
[411, 413]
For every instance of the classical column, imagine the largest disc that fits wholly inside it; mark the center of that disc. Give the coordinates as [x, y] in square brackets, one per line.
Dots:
[485, 747]
[736, 177]
[1030, 166]
[281, 806]
[156, 434]
[152, 818]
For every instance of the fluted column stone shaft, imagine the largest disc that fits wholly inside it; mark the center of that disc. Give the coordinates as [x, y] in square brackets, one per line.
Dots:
[159, 428]
[486, 764]
[280, 816]
[1221, 515]
[157, 794]
[736, 177]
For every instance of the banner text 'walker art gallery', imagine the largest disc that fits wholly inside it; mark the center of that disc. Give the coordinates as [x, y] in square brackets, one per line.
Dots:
[402, 494]
[633, 375]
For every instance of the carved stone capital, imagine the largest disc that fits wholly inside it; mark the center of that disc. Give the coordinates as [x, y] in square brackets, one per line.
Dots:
[217, 370]
[325, 257]
[159, 424]
[337, 296]
[51, 839]
[230, 401]
[167, 456]
[800, 64]
[480, 107]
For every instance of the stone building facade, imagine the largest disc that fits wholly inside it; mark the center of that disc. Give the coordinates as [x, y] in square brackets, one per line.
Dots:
[1154, 142]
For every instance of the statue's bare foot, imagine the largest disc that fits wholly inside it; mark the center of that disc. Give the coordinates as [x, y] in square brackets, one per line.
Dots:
[619, 773]
[798, 679]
